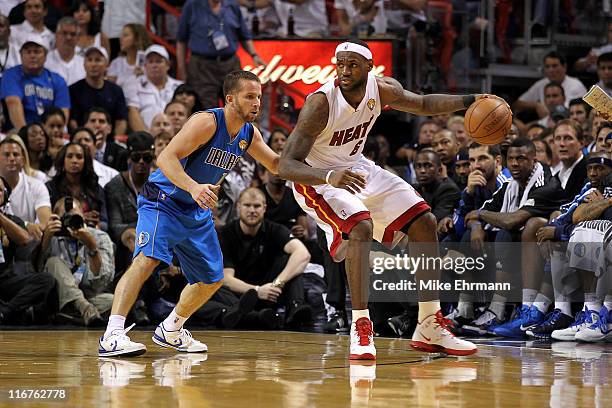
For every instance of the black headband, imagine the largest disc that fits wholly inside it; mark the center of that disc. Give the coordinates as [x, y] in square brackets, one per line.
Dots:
[600, 160]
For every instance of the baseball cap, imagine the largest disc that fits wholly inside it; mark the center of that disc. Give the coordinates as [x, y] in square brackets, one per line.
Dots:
[36, 39]
[139, 141]
[101, 50]
[559, 112]
[157, 49]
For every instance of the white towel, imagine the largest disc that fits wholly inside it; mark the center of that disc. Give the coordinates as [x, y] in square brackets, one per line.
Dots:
[512, 202]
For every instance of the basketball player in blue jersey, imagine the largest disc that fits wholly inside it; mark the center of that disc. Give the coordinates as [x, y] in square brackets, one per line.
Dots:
[174, 217]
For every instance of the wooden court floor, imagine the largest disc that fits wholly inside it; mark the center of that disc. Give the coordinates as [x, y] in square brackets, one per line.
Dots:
[301, 370]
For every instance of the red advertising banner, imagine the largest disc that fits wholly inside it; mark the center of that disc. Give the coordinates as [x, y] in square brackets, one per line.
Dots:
[308, 64]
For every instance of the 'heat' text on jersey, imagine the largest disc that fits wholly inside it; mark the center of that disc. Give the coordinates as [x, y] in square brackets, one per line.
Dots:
[344, 136]
[221, 158]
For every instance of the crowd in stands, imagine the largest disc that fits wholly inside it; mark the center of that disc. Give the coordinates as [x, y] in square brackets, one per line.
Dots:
[69, 181]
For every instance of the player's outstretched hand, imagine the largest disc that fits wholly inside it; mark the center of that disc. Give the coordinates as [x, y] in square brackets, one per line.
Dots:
[205, 195]
[481, 96]
[347, 180]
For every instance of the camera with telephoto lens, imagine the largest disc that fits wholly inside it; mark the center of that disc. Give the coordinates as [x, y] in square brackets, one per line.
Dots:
[72, 221]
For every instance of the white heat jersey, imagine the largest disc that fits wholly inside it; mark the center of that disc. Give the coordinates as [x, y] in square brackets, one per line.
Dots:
[340, 144]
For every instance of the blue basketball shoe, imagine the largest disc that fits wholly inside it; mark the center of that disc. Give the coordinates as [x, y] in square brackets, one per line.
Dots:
[525, 318]
[180, 340]
[600, 330]
[119, 344]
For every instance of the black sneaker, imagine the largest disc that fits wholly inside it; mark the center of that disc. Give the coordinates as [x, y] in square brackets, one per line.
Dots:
[232, 316]
[270, 319]
[299, 314]
[555, 320]
[337, 323]
[401, 324]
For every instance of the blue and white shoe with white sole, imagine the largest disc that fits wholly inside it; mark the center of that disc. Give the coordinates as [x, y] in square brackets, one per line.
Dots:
[179, 340]
[119, 344]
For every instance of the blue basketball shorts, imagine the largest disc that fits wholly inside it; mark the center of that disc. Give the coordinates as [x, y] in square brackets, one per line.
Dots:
[166, 228]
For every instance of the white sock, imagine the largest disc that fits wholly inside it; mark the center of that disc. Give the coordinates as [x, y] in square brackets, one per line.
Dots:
[115, 322]
[608, 302]
[465, 305]
[358, 314]
[529, 296]
[591, 302]
[565, 307]
[174, 322]
[497, 306]
[427, 309]
[542, 303]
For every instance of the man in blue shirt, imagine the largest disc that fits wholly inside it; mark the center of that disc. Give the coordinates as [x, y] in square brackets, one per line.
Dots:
[29, 88]
[213, 30]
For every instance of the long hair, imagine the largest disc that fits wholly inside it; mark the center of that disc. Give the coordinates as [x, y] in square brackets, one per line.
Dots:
[141, 36]
[188, 89]
[45, 160]
[89, 179]
[93, 27]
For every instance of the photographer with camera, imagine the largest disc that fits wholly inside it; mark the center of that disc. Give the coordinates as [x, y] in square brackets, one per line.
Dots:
[81, 259]
[19, 292]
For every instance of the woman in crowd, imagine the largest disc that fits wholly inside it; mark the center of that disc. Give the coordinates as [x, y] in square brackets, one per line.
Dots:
[277, 140]
[188, 97]
[54, 123]
[89, 27]
[36, 141]
[76, 177]
[134, 40]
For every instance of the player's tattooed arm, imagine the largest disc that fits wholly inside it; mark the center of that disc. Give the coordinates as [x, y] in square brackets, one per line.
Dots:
[311, 122]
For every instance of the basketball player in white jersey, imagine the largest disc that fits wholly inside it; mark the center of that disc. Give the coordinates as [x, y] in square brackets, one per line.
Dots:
[348, 194]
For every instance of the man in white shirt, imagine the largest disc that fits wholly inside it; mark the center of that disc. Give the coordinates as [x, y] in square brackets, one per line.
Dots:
[555, 69]
[9, 54]
[34, 13]
[149, 94]
[63, 58]
[30, 197]
[604, 72]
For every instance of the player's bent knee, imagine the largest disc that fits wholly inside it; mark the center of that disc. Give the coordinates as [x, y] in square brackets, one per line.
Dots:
[143, 266]
[362, 231]
[531, 227]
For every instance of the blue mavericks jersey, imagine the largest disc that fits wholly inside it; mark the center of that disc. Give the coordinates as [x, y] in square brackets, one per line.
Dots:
[211, 161]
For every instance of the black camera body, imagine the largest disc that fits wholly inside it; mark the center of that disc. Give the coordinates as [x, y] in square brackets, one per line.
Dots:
[72, 221]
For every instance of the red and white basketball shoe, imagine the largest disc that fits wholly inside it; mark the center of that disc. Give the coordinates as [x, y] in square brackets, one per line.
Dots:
[362, 340]
[433, 335]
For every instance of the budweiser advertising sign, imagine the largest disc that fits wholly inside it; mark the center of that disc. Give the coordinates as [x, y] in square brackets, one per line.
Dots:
[308, 64]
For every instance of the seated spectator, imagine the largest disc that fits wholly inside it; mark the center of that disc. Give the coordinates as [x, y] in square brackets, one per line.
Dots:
[361, 18]
[441, 193]
[89, 27]
[456, 125]
[63, 59]
[604, 72]
[282, 208]
[462, 168]
[384, 152]
[260, 254]
[579, 111]
[86, 138]
[278, 139]
[29, 88]
[121, 194]
[554, 96]
[543, 151]
[161, 123]
[602, 140]
[535, 129]
[19, 291]
[9, 51]
[29, 199]
[427, 129]
[589, 62]
[95, 92]
[34, 13]
[445, 145]
[568, 138]
[161, 141]
[189, 97]
[555, 68]
[81, 259]
[108, 151]
[35, 140]
[75, 177]
[149, 94]
[130, 63]
[54, 123]
[178, 114]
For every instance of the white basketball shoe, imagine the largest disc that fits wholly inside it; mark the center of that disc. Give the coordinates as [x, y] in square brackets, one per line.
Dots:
[433, 335]
[119, 344]
[180, 340]
[362, 340]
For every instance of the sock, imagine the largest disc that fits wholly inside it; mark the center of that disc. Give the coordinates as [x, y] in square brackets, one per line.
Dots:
[465, 305]
[542, 303]
[591, 302]
[427, 309]
[174, 322]
[529, 296]
[115, 322]
[497, 306]
[608, 302]
[565, 307]
[358, 314]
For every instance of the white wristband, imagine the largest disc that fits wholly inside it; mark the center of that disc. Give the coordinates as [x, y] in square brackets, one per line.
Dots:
[327, 176]
[257, 288]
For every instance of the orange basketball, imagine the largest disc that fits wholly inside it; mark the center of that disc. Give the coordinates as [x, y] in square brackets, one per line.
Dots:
[488, 121]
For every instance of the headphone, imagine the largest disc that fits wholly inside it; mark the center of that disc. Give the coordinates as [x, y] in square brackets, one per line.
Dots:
[7, 192]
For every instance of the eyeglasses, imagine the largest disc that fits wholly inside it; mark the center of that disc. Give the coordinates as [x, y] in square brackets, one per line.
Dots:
[136, 157]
